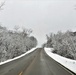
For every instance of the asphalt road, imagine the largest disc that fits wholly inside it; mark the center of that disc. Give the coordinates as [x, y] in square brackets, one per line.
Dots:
[36, 63]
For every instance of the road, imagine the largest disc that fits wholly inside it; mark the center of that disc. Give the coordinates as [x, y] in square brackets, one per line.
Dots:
[35, 63]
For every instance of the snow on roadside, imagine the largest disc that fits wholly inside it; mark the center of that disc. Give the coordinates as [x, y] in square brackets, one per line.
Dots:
[18, 56]
[70, 64]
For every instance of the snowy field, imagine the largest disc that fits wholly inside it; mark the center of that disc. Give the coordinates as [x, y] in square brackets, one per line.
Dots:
[18, 56]
[70, 64]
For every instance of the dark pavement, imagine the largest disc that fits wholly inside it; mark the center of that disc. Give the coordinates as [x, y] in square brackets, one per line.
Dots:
[35, 63]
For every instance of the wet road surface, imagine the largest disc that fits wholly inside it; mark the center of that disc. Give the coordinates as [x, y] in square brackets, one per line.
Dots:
[35, 63]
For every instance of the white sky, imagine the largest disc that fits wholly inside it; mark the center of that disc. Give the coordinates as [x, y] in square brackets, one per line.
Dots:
[42, 16]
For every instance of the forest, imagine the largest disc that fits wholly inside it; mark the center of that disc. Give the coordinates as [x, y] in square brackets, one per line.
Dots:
[15, 42]
[64, 43]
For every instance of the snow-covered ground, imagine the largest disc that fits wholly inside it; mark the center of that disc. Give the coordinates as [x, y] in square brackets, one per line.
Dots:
[70, 64]
[18, 56]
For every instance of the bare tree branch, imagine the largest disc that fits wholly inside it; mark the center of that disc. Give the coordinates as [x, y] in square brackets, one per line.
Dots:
[1, 5]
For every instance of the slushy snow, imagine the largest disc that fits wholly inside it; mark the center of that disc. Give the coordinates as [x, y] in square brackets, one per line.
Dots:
[68, 63]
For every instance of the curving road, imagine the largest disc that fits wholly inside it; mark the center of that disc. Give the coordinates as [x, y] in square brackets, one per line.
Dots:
[35, 63]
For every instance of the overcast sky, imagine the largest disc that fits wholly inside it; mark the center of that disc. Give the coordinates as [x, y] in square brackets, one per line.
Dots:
[42, 16]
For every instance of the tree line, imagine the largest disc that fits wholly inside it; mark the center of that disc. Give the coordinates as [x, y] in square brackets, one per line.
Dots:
[64, 43]
[15, 42]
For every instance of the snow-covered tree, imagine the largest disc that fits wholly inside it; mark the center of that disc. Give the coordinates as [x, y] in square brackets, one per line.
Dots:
[13, 44]
[64, 44]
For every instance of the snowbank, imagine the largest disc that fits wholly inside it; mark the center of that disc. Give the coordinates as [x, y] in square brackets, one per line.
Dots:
[70, 64]
[18, 56]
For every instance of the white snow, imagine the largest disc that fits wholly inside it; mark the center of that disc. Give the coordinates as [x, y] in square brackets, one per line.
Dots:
[18, 56]
[70, 64]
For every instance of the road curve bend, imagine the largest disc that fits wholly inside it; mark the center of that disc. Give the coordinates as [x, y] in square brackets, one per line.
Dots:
[35, 63]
